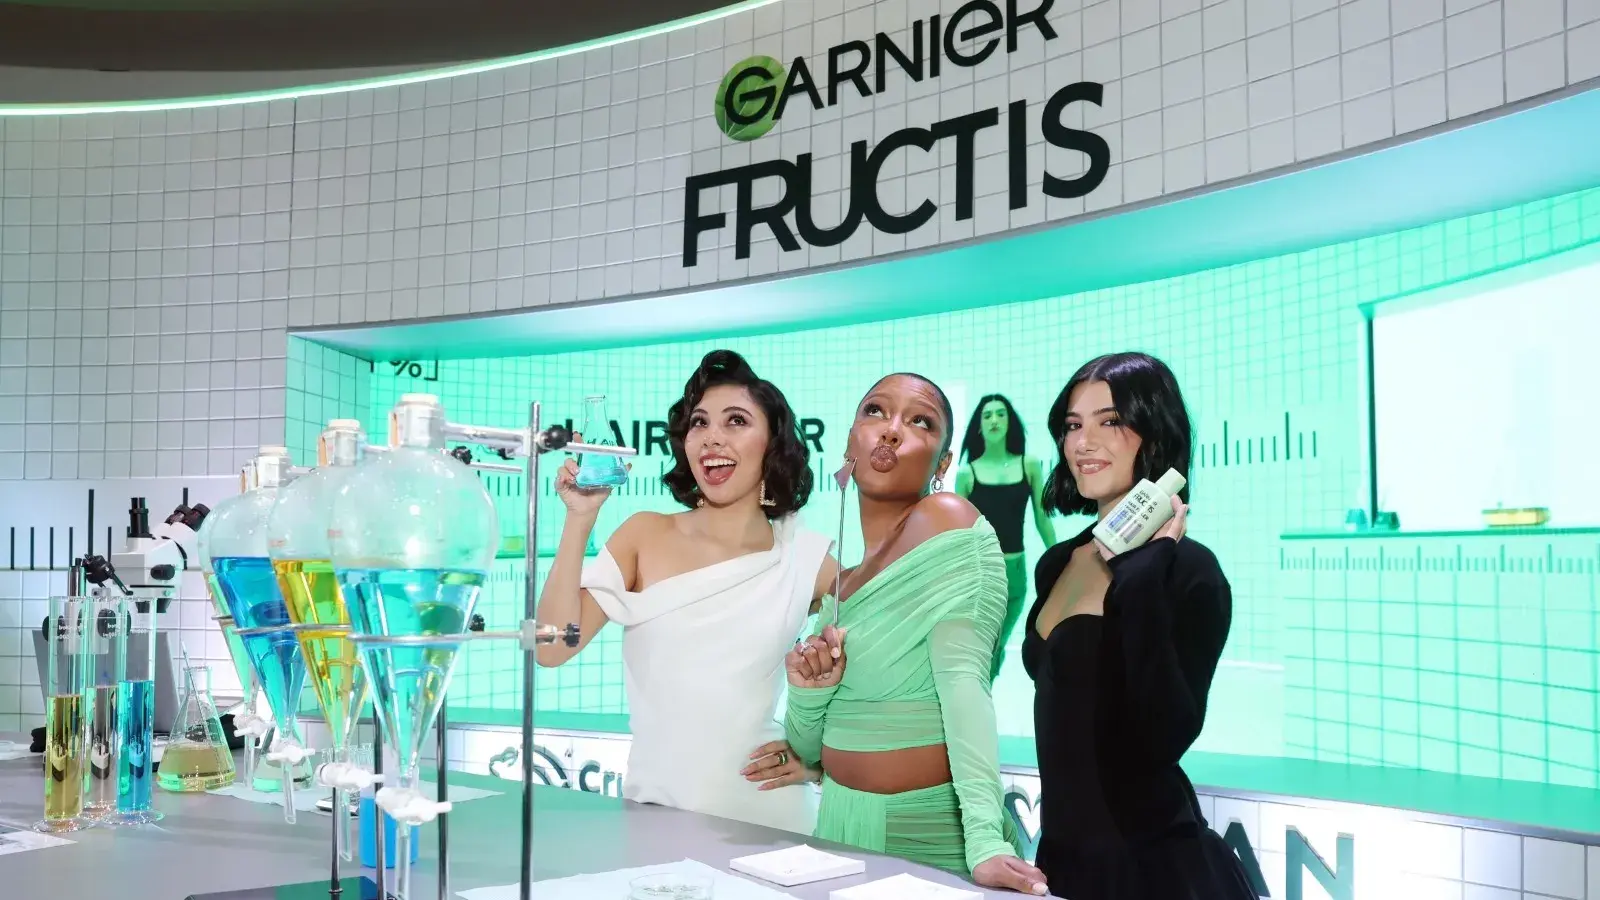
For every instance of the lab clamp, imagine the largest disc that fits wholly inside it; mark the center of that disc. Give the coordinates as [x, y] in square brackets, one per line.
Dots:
[408, 808]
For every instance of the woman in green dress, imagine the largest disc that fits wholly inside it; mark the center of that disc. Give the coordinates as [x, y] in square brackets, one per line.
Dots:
[903, 725]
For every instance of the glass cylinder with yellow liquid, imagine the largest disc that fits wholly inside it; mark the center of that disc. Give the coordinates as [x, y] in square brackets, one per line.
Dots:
[297, 541]
[66, 631]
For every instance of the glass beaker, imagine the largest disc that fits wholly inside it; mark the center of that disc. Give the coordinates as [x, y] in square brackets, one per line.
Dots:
[599, 470]
[105, 663]
[197, 757]
[66, 683]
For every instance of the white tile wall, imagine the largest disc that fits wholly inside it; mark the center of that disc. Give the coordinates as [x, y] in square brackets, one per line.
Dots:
[150, 262]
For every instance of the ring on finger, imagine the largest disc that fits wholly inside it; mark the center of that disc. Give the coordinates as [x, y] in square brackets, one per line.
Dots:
[783, 757]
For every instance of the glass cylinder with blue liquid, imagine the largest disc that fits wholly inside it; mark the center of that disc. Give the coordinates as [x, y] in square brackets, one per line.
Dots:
[413, 534]
[136, 714]
[599, 470]
[234, 540]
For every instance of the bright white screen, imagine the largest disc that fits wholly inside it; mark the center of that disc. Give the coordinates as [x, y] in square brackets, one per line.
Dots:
[1491, 400]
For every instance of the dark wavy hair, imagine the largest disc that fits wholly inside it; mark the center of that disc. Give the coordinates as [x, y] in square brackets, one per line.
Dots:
[972, 445]
[944, 404]
[1147, 399]
[787, 466]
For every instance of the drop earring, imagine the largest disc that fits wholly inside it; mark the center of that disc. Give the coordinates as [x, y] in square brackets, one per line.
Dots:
[765, 500]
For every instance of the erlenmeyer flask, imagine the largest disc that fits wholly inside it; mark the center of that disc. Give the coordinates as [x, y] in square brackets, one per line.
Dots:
[599, 470]
[197, 756]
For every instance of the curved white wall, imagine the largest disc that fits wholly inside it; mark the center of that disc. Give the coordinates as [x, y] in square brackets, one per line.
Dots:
[150, 262]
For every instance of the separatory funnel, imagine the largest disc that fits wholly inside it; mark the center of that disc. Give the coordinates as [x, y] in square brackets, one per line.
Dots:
[413, 536]
[234, 540]
[245, 719]
[297, 541]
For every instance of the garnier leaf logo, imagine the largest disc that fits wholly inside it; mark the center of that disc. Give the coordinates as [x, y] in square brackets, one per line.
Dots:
[747, 99]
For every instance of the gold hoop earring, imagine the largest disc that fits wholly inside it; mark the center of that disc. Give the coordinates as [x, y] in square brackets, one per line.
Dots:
[765, 500]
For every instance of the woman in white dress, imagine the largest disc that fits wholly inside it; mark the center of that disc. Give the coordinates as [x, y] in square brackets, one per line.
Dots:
[710, 601]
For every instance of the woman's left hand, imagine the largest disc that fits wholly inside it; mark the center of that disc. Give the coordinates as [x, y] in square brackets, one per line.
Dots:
[1011, 873]
[1175, 528]
[775, 765]
[1177, 525]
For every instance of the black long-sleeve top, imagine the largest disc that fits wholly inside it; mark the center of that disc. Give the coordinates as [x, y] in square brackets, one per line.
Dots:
[1118, 700]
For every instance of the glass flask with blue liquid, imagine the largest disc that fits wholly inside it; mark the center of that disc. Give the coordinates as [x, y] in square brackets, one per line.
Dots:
[599, 470]
[233, 541]
[413, 533]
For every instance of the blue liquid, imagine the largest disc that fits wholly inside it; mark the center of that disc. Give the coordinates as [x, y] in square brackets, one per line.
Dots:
[597, 470]
[366, 823]
[255, 601]
[409, 683]
[136, 711]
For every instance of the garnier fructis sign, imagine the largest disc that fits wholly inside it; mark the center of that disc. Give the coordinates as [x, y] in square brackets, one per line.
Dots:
[755, 94]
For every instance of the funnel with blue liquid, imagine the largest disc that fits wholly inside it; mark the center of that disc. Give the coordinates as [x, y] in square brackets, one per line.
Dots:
[413, 533]
[233, 540]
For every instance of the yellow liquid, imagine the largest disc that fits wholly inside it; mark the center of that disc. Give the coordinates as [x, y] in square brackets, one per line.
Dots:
[312, 596]
[190, 766]
[63, 758]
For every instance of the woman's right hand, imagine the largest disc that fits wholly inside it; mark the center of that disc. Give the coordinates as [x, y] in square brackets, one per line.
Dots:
[579, 501]
[817, 661]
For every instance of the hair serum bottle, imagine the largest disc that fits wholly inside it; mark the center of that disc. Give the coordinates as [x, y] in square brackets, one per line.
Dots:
[1140, 514]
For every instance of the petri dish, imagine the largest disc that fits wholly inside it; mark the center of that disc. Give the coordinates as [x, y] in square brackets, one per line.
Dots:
[670, 886]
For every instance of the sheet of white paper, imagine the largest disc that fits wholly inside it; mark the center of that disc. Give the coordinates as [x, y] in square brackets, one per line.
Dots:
[17, 839]
[904, 886]
[801, 864]
[614, 885]
[305, 799]
[12, 750]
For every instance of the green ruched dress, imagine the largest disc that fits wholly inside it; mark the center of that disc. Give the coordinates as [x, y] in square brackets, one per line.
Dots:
[919, 648]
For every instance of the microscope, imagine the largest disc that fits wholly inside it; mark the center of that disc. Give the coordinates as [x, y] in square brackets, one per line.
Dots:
[152, 561]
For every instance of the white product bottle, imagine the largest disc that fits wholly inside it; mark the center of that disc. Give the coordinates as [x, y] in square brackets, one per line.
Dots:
[1140, 514]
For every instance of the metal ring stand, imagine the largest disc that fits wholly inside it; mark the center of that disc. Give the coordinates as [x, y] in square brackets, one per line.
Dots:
[532, 443]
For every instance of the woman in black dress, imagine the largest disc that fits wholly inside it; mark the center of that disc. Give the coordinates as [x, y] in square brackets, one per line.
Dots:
[1122, 650]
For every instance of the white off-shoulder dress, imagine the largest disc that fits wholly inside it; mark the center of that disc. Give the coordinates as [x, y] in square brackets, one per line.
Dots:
[703, 669]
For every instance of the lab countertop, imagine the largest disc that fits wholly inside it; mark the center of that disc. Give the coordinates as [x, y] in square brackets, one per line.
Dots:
[209, 843]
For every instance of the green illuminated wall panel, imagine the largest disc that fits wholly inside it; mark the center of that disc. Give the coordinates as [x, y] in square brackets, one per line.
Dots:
[1399, 652]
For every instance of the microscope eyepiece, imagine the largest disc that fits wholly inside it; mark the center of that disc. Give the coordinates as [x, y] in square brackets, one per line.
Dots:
[138, 519]
[196, 515]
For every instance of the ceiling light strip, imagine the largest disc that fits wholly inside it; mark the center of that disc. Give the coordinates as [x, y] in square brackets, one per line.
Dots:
[367, 84]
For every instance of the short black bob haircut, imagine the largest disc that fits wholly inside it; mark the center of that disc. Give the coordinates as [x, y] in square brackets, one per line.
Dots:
[972, 446]
[1148, 401]
[787, 466]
